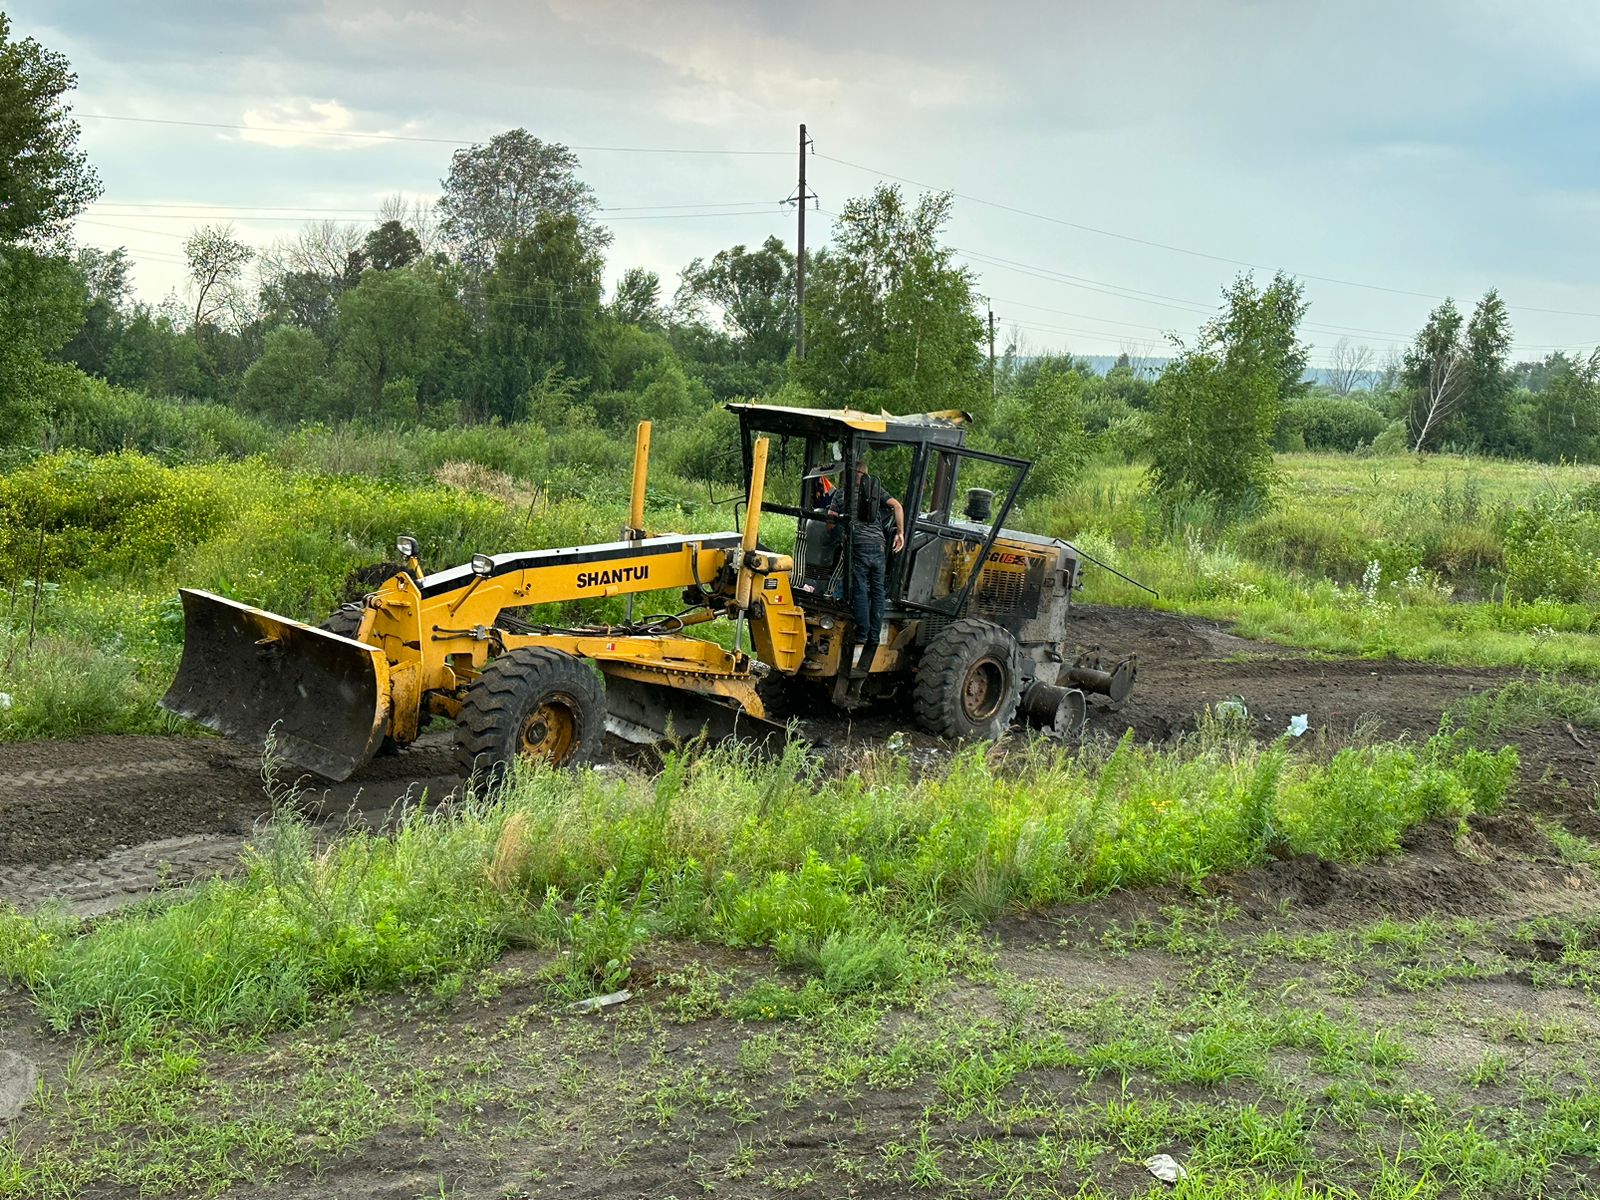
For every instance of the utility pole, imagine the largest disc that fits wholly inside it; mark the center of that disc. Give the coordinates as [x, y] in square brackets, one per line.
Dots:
[991, 355]
[799, 199]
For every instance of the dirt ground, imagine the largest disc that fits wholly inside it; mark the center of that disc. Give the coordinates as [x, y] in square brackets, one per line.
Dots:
[99, 821]
[1447, 987]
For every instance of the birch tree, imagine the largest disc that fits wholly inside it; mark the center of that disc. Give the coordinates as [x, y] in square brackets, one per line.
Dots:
[1435, 373]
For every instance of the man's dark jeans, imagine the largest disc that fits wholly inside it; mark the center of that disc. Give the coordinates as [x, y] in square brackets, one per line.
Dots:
[868, 570]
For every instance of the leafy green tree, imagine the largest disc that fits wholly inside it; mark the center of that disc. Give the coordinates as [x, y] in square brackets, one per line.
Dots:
[103, 277]
[713, 358]
[153, 355]
[396, 333]
[1482, 416]
[216, 260]
[303, 275]
[1127, 385]
[387, 248]
[1262, 328]
[1043, 422]
[496, 194]
[1216, 405]
[45, 179]
[1566, 410]
[1536, 376]
[289, 381]
[543, 310]
[750, 293]
[890, 319]
[637, 300]
[41, 304]
[301, 298]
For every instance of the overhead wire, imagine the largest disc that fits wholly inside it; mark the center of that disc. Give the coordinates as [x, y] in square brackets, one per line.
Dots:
[970, 197]
[1176, 249]
[405, 137]
[205, 207]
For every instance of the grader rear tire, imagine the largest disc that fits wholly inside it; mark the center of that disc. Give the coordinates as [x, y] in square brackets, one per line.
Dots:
[532, 703]
[969, 681]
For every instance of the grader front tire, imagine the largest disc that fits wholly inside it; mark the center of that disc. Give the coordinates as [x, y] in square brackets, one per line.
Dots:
[346, 622]
[534, 704]
[969, 681]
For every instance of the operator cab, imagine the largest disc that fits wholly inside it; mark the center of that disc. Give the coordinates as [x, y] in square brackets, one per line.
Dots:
[920, 460]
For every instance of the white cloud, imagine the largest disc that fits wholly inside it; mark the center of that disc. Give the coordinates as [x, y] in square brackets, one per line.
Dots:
[303, 122]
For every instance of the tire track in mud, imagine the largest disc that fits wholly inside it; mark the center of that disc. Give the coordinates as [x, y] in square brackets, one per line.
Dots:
[90, 887]
[96, 823]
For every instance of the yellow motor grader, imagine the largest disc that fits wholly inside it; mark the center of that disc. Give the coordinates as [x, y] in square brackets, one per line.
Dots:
[974, 633]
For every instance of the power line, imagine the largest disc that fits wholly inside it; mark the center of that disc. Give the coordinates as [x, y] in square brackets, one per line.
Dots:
[205, 208]
[1051, 276]
[650, 216]
[1125, 237]
[1315, 327]
[404, 137]
[177, 237]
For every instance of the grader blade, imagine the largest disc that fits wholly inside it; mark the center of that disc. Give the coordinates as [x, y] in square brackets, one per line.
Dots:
[247, 673]
[647, 713]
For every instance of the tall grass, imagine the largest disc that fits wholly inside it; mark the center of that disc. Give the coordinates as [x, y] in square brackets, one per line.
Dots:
[112, 537]
[844, 877]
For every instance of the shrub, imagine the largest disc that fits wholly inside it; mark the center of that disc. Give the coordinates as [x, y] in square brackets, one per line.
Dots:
[1044, 424]
[290, 379]
[103, 419]
[1394, 440]
[1328, 423]
[118, 513]
[1553, 548]
[704, 449]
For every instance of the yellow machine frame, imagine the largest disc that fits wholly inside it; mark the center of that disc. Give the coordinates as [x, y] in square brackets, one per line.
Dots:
[423, 638]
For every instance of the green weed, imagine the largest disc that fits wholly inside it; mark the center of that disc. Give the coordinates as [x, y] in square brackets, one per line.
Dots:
[844, 878]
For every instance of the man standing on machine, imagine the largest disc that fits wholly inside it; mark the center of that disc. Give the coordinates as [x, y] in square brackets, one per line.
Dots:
[869, 561]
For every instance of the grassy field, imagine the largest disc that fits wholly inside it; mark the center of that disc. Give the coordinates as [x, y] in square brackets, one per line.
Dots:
[857, 912]
[1378, 557]
[1383, 557]
[1017, 972]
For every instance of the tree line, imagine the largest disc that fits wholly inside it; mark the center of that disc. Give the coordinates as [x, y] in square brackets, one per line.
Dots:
[490, 305]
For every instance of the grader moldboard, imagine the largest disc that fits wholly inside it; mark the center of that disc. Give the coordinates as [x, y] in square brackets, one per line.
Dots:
[974, 631]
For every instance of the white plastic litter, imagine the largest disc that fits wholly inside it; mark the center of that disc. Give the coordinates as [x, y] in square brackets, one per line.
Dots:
[1165, 1168]
[5, 700]
[1298, 725]
[596, 1003]
[1232, 707]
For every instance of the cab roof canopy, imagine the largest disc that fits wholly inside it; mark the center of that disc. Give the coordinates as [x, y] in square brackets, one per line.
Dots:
[836, 422]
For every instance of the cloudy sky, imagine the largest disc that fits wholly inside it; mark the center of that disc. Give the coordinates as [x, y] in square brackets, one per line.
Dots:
[1116, 164]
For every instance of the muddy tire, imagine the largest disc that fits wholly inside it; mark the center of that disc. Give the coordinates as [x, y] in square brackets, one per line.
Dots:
[344, 621]
[969, 681]
[788, 699]
[533, 703]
